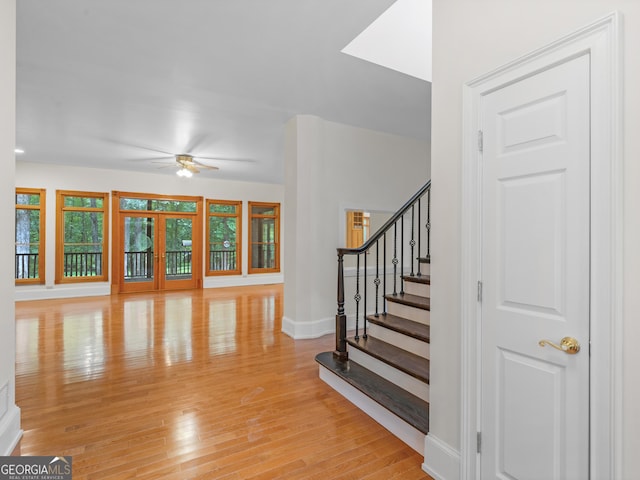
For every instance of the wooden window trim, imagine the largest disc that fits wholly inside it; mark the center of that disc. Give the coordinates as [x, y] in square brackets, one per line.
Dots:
[238, 217]
[42, 207]
[276, 207]
[60, 209]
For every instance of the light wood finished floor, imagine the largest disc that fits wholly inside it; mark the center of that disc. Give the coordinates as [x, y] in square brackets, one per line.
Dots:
[182, 385]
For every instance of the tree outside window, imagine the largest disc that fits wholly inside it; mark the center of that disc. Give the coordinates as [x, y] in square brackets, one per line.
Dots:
[224, 220]
[30, 234]
[81, 232]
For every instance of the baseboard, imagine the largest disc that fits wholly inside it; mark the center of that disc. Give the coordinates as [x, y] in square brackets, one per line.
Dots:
[401, 429]
[302, 330]
[47, 292]
[441, 461]
[10, 432]
[42, 292]
[314, 329]
[242, 280]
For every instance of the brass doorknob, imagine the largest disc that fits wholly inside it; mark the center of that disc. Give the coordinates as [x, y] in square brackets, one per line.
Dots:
[567, 345]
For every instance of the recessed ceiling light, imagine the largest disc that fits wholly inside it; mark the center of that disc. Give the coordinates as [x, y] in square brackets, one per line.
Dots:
[19, 150]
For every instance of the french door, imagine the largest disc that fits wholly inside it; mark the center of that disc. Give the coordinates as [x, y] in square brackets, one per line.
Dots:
[157, 250]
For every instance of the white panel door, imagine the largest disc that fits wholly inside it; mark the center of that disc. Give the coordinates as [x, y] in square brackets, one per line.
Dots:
[534, 417]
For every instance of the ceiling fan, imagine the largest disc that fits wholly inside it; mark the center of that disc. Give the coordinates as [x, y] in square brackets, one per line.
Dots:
[187, 163]
[187, 166]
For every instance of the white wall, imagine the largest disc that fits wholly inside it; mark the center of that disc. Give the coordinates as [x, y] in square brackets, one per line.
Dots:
[9, 414]
[56, 177]
[330, 167]
[471, 38]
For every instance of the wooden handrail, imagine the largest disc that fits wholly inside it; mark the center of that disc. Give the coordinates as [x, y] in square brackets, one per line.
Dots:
[387, 225]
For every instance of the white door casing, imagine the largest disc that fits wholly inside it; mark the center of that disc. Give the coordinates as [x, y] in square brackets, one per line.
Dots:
[600, 44]
[534, 414]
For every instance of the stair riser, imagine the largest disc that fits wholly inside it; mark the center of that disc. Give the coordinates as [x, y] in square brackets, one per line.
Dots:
[417, 347]
[408, 312]
[415, 288]
[401, 429]
[407, 382]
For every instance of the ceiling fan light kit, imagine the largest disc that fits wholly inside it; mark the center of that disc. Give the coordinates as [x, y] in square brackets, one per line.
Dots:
[184, 172]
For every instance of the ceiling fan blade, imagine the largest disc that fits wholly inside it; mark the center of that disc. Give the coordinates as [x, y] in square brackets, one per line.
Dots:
[227, 159]
[140, 147]
[207, 167]
[150, 159]
[195, 142]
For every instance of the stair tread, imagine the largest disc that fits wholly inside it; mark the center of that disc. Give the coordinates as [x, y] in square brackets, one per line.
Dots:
[402, 325]
[424, 279]
[407, 362]
[403, 404]
[417, 301]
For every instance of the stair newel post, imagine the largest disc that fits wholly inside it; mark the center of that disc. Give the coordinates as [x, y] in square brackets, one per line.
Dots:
[402, 255]
[376, 281]
[412, 243]
[394, 261]
[341, 318]
[419, 234]
[357, 297]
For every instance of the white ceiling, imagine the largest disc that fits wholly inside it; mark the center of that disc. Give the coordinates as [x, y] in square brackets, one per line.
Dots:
[115, 83]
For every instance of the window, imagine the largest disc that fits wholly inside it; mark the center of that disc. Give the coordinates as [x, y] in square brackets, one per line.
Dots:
[224, 221]
[264, 237]
[81, 236]
[30, 234]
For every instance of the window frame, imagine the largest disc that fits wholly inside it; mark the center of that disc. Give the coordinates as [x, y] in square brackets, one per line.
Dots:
[42, 208]
[250, 243]
[60, 210]
[238, 216]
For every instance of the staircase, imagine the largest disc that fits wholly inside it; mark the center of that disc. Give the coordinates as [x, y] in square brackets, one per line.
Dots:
[382, 365]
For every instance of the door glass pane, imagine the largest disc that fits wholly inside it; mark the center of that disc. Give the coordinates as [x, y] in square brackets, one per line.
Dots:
[178, 233]
[138, 249]
[155, 205]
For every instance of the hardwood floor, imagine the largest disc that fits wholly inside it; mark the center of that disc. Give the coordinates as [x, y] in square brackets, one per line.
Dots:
[195, 384]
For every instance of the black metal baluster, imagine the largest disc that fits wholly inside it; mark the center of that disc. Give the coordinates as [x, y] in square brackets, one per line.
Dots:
[384, 273]
[413, 241]
[357, 297]
[419, 234]
[394, 261]
[376, 282]
[429, 225]
[364, 307]
[402, 255]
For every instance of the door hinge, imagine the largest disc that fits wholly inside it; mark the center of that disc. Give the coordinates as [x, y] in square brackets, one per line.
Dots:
[479, 291]
[480, 141]
[479, 441]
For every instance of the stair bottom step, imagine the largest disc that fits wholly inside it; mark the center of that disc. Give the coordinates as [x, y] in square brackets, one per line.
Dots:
[408, 407]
